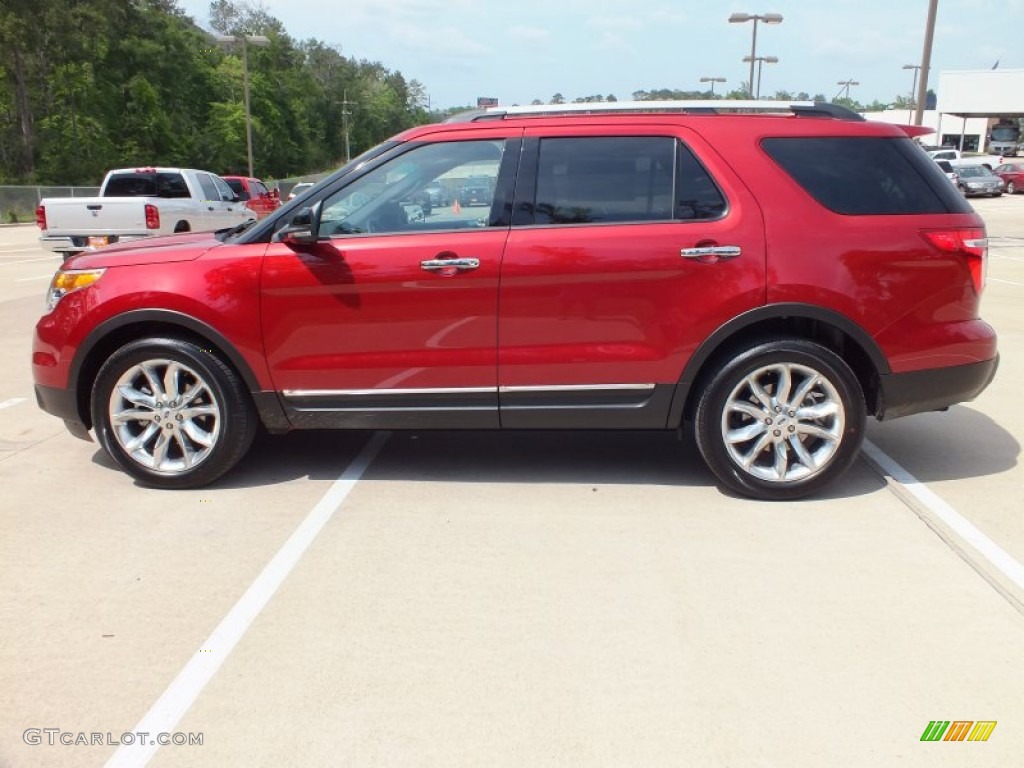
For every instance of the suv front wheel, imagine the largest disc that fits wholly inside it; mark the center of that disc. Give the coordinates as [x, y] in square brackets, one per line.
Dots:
[780, 420]
[171, 413]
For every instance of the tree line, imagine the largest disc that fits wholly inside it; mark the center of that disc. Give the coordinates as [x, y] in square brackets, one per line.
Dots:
[89, 85]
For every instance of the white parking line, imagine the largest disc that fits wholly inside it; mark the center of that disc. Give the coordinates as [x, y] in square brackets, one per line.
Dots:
[200, 669]
[982, 544]
[1007, 282]
[37, 277]
[27, 261]
[12, 401]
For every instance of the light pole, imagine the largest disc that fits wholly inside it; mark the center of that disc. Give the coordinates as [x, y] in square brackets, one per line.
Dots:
[846, 87]
[246, 41]
[916, 68]
[926, 61]
[767, 18]
[712, 80]
[761, 61]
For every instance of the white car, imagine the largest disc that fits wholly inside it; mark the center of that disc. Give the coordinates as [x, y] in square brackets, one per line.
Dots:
[300, 188]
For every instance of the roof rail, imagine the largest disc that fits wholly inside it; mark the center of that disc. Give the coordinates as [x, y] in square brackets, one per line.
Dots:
[700, 107]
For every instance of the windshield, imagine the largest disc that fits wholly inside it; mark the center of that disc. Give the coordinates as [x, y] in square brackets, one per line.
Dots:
[972, 171]
[1005, 133]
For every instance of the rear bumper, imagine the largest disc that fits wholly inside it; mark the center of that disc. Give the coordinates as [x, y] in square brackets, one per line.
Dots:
[79, 243]
[903, 394]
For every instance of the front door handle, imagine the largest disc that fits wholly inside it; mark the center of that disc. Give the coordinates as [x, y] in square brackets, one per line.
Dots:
[711, 252]
[449, 265]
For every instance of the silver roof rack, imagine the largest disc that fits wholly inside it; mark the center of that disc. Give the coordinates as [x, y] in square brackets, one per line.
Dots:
[699, 107]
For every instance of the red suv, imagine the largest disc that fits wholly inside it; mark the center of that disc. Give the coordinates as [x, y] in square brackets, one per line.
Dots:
[770, 279]
[254, 194]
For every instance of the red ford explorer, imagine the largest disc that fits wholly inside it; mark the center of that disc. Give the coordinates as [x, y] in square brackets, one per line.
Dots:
[768, 275]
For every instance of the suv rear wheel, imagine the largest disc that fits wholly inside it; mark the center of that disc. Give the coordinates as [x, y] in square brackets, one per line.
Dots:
[171, 414]
[780, 420]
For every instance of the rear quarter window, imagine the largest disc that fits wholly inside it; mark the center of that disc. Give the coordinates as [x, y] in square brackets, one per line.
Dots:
[865, 176]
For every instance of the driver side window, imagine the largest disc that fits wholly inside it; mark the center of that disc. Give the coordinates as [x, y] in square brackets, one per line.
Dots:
[435, 187]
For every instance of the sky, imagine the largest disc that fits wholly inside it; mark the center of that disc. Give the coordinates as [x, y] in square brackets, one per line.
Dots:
[521, 50]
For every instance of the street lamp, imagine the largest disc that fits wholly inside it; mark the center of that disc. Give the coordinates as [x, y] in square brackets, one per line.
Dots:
[846, 87]
[767, 18]
[761, 61]
[712, 80]
[246, 41]
[916, 68]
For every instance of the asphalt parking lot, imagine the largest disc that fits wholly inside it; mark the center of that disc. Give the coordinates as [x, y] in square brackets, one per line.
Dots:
[487, 599]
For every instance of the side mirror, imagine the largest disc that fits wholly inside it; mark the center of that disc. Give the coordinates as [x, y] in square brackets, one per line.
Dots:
[301, 230]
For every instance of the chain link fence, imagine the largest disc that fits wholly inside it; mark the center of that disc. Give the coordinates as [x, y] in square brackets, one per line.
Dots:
[18, 204]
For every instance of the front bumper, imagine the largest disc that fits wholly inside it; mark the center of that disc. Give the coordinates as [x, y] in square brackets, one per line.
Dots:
[62, 403]
[934, 389]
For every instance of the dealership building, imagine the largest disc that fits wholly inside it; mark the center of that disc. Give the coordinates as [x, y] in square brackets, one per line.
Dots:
[970, 105]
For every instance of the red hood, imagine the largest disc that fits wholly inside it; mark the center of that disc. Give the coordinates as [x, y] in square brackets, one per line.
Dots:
[151, 250]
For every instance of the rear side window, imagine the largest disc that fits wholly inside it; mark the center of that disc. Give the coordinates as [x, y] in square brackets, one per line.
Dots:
[209, 188]
[609, 179]
[867, 175]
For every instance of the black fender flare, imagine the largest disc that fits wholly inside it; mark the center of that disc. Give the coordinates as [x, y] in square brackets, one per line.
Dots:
[267, 403]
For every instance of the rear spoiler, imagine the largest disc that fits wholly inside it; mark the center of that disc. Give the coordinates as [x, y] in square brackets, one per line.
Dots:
[916, 130]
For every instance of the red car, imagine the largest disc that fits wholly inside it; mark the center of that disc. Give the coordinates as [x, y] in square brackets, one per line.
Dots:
[1012, 175]
[636, 269]
[254, 194]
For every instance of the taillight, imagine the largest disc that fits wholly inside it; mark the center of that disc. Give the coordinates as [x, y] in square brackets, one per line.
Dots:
[41, 217]
[152, 217]
[971, 243]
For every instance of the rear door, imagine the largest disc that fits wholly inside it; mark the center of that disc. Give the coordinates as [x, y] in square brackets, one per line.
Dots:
[629, 247]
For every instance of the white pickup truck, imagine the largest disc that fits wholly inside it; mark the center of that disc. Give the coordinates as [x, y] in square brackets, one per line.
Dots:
[956, 158]
[136, 203]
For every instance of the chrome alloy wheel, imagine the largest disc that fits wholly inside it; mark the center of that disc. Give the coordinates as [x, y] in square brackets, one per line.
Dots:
[783, 422]
[165, 416]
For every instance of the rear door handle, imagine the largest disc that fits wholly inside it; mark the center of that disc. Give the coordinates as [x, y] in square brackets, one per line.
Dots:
[713, 251]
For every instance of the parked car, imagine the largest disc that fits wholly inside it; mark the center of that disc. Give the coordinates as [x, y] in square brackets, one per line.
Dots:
[977, 180]
[475, 192]
[950, 171]
[639, 268]
[1012, 175]
[300, 188]
[255, 194]
[437, 192]
[137, 203]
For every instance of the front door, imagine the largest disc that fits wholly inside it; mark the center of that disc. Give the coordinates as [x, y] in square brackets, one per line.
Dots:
[390, 320]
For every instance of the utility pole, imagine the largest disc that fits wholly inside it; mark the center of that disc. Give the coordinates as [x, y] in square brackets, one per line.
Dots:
[345, 114]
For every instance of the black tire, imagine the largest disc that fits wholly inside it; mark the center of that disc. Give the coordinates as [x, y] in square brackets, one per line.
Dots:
[198, 436]
[182, 226]
[773, 432]
[1010, 188]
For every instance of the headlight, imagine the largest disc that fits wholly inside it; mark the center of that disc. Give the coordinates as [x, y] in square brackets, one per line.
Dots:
[64, 282]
